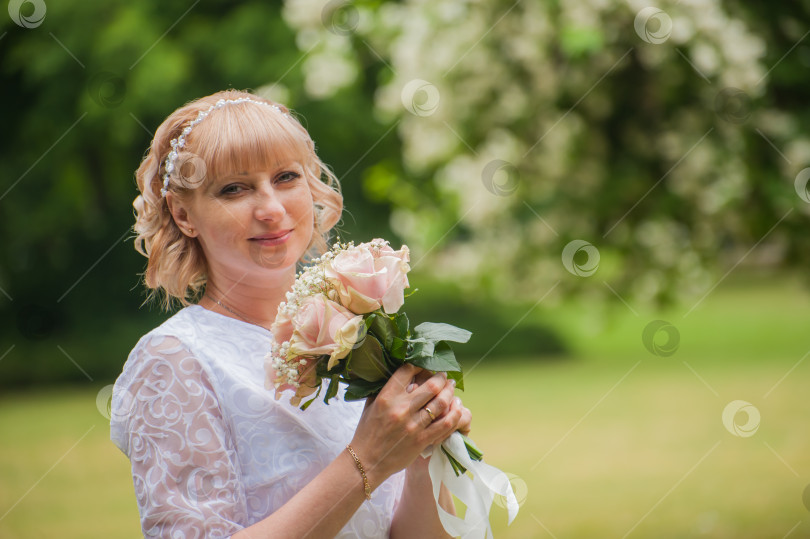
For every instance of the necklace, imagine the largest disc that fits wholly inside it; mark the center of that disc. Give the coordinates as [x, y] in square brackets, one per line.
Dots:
[242, 317]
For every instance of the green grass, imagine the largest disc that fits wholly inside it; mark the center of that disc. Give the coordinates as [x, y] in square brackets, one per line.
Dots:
[615, 440]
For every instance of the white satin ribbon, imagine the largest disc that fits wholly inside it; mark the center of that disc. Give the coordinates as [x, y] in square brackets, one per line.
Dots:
[476, 489]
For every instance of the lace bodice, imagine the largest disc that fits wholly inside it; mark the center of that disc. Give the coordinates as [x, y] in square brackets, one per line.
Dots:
[211, 450]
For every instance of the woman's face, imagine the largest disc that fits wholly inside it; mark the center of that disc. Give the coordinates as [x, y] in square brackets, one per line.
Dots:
[253, 224]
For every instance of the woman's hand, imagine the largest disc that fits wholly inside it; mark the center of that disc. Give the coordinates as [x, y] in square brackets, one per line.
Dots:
[417, 515]
[465, 423]
[395, 426]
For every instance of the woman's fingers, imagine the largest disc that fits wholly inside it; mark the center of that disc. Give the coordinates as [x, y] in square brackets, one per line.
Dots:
[439, 407]
[465, 423]
[438, 430]
[415, 409]
[403, 376]
[457, 418]
[430, 390]
[432, 395]
[422, 377]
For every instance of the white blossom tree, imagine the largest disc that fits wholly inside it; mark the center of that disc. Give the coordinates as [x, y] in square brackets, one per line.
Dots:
[608, 147]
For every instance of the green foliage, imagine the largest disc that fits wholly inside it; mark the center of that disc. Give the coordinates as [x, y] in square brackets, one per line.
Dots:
[591, 137]
[83, 93]
[389, 342]
[368, 361]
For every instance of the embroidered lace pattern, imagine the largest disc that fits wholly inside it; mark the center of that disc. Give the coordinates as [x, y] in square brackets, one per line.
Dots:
[212, 452]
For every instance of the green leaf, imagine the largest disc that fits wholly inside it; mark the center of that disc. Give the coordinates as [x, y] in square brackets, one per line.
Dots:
[367, 361]
[313, 399]
[443, 359]
[310, 401]
[433, 331]
[360, 389]
[399, 349]
[370, 319]
[402, 324]
[321, 366]
[383, 328]
[332, 390]
[458, 377]
[421, 348]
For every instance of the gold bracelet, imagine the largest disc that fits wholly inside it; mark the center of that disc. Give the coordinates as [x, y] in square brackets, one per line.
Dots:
[366, 486]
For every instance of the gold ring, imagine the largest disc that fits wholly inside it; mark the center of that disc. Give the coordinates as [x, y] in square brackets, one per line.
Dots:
[432, 417]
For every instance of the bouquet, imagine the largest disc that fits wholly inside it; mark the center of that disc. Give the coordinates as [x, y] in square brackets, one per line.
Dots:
[342, 323]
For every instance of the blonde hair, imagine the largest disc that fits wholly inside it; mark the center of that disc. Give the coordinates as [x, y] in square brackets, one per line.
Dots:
[235, 138]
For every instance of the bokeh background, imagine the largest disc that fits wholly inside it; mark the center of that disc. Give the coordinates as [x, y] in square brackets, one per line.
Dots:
[611, 195]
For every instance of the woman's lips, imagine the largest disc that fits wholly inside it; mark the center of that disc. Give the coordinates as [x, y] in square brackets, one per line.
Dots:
[276, 238]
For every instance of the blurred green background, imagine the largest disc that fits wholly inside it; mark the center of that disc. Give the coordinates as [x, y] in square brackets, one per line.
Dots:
[566, 174]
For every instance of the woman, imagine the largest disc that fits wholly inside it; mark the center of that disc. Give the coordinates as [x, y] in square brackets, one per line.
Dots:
[233, 196]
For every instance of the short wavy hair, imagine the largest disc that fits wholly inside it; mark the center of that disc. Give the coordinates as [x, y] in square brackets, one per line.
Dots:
[238, 137]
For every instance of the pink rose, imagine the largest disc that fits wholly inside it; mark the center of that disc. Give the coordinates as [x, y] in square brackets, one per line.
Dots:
[282, 328]
[323, 327]
[370, 276]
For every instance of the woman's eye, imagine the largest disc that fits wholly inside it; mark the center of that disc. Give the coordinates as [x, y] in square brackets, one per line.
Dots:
[287, 176]
[230, 189]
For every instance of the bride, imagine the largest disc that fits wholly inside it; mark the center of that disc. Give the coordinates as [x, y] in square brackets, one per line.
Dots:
[233, 196]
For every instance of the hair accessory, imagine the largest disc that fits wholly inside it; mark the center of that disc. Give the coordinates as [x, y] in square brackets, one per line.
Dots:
[179, 143]
[366, 487]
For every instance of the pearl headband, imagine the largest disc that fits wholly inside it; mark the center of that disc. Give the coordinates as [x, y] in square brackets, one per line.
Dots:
[179, 143]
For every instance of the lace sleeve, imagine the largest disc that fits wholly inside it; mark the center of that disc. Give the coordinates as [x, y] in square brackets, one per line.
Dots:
[184, 467]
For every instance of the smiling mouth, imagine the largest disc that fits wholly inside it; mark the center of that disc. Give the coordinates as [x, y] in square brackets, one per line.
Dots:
[272, 239]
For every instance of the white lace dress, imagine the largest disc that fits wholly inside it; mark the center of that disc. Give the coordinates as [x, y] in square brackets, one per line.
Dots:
[212, 452]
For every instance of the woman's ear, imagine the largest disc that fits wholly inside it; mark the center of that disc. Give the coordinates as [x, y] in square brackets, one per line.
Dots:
[180, 215]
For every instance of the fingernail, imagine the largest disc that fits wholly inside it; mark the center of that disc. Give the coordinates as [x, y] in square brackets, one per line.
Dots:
[453, 382]
[410, 388]
[458, 401]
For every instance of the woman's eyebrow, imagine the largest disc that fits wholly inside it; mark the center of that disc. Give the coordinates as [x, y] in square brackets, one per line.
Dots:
[279, 165]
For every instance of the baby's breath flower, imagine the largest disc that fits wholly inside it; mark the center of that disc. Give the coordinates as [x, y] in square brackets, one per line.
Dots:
[309, 281]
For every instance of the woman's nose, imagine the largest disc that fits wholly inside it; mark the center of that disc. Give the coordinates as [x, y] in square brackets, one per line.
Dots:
[268, 206]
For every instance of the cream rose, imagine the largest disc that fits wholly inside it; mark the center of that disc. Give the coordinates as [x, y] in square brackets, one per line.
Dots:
[282, 328]
[323, 327]
[370, 276]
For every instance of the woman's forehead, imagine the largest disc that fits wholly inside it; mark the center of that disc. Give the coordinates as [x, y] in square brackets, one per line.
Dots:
[246, 160]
